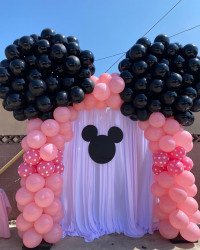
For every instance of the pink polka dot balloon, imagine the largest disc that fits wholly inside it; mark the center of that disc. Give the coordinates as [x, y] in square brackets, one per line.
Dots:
[175, 167]
[157, 169]
[178, 153]
[59, 168]
[59, 157]
[32, 157]
[187, 163]
[160, 158]
[25, 169]
[45, 168]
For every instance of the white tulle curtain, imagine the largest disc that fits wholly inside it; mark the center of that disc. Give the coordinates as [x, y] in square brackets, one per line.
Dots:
[113, 197]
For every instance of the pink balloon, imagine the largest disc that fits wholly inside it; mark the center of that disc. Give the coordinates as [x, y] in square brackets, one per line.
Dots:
[105, 77]
[89, 101]
[79, 106]
[36, 139]
[59, 157]
[32, 212]
[24, 196]
[177, 194]
[74, 114]
[195, 217]
[57, 140]
[157, 190]
[50, 127]
[114, 101]
[191, 232]
[58, 217]
[175, 167]
[165, 180]
[35, 182]
[166, 204]
[54, 208]
[153, 134]
[44, 197]
[20, 234]
[22, 224]
[179, 219]
[189, 206]
[34, 124]
[45, 168]
[160, 158]
[48, 152]
[143, 124]
[101, 91]
[65, 128]
[183, 138]
[191, 190]
[178, 153]
[58, 193]
[187, 162]
[25, 170]
[69, 136]
[31, 238]
[54, 235]
[20, 207]
[167, 143]
[101, 105]
[54, 182]
[116, 85]
[59, 168]
[32, 157]
[23, 182]
[188, 147]
[185, 179]
[154, 146]
[171, 126]
[158, 169]
[158, 213]
[62, 114]
[157, 119]
[167, 230]
[94, 78]
[44, 224]
[24, 144]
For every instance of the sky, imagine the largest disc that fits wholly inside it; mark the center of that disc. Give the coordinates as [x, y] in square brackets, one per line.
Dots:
[105, 27]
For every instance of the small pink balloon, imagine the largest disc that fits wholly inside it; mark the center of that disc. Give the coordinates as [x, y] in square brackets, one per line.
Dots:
[57, 140]
[44, 224]
[167, 230]
[191, 232]
[195, 217]
[44, 197]
[54, 182]
[116, 85]
[114, 101]
[165, 180]
[101, 91]
[45, 168]
[22, 224]
[54, 235]
[191, 190]
[32, 212]
[171, 126]
[58, 193]
[69, 136]
[188, 147]
[50, 127]
[185, 179]
[48, 152]
[59, 168]
[25, 170]
[79, 106]
[158, 213]
[23, 182]
[58, 217]
[59, 157]
[65, 128]
[187, 163]
[54, 208]
[178, 153]
[183, 138]
[105, 78]
[20, 207]
[62, 114]
[143, 124]
[179, 219]
[73, 114]
[31, 238]
[157, 190]
[101, 105]
[189, 206]
[36, 139]
[154, 146]
[94, 78]
[24, 144]
[157, 119]
[89, 101]
[158, 169]
[24, 196]
[177, 194]
[167, 143]
[166, 204]
[175, 167]
[35, 182]
[160, 158]
[32, 157]
[153, 134]
[34, 124]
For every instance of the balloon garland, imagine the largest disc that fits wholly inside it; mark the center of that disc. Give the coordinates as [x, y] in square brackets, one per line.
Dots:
[47, 79]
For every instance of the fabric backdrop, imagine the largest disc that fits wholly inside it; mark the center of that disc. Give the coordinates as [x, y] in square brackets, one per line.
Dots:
[101, 199]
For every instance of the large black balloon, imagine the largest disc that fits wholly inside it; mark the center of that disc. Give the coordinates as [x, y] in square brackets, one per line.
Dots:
[47, 33]
[157, 49]
[156, 86]
[174, 81]
[4, 90]
[183, 103]
[72, 64]
[144, 41]
[127, 94]
[189, 91]
[37, 87]
[140, 84]
[190, 51]
[172, 50]
[18, 67]
[194, 65]
[46, 115]
[140, 101]
[125, 64]
[154, 106]
[12, 52]
[126, 76]
[185, 118]
[33, 74]
[162, 38]
[62, 98]
[42, 47]
[127, 109]
[86, 58]
[196, 105]
[44, 63]
[19, 115]
[53, 84]
[30, 60]
[187, 79]
[30, 98]
[4, 75]
[44, 103]
[76, 94]
[73, 49]
[67, 82]
[151, 61]
[15, 101]
[169, 97]
[143, 114]
[26, 44]
[59, 38]
[58, 52]
[161, 70]
[87, 85]
[71, 39]
[84, 73]
[19, 84]
[31, 112]
[139, 68]
[178, 63]
[5, 63]
[167, 111]
[137, 52]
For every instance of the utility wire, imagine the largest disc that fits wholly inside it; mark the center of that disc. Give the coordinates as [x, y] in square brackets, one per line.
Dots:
[185, 30]
[148, 30]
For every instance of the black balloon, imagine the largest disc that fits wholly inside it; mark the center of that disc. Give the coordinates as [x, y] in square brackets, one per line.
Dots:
[194, 65]
[19, 115]
[62, 98]
[137, 52]
[72, 64]
[46, 115]
[154, 106]
[144, 41]
[196, 105]
[67, 82]
[76, 94]
[133, 117]
[6, 106]
[143, 114]
[59, 38]
[5, 63]
[26, 44]
[4, 90]
[42, 47]
[35, 37]
[31, 112]
[169, 97]
[189, 91]
[178, 63]
[30, 61]
[172, 50]
[92, 69]
[15, 101]
[162, 38]
[197, 87]
[157, 49]
[58, 52]
[139, 68]
[71, 39]
[30, 98]
[174, 81]
[86, 58]
[44, 103]
[164, 60]
[161, 70]
[127, 109]
[53, 84]
[84, 73]
[4, 75]
[87, 85]
[126, 76]
[73, 49]
[12, 52]
[19, 84]
[156, 86]
[127, 94]
[190, 51]
[167, 111]
[125, 64]
[44, 63]
[47, 33]
[140, 84]
[140, 101]
[34, 74]
[18, 67]
[185, 118]
[187, 79]
[37, 87]
[151, 60]
[183, 103]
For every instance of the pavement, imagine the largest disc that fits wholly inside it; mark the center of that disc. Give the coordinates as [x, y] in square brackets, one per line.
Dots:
[108, 242]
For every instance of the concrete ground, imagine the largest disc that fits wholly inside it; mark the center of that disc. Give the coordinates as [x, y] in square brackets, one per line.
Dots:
[109, 242]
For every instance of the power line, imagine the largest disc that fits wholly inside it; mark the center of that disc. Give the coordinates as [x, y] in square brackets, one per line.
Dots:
[185, 30]
[103, 58]
[114, 63]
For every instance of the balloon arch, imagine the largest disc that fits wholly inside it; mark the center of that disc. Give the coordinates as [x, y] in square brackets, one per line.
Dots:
[48, 80]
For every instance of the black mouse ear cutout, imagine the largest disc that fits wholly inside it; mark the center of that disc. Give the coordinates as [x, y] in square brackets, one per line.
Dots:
[115, 134]
[89, 132]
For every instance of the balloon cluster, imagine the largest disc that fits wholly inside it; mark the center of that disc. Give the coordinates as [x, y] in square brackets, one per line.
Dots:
[174, 188]
[161, 77]
[44, 72]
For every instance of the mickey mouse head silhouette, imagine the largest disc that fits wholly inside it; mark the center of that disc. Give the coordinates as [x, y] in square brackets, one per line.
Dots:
[102, 147]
